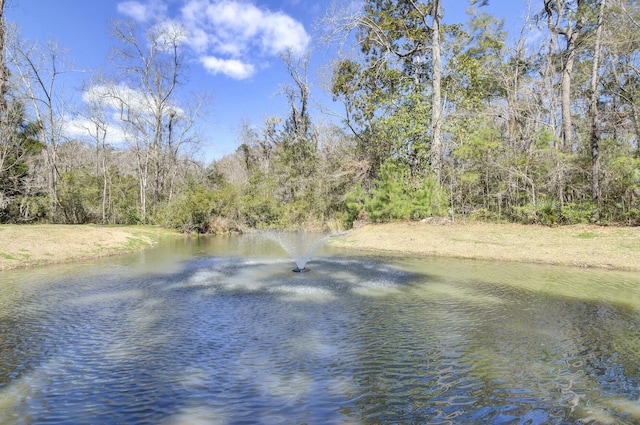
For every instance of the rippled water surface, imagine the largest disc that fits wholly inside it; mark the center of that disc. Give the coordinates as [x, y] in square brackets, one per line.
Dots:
[220, 331]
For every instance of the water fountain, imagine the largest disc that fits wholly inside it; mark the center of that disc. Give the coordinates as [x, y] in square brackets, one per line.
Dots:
[299, 245]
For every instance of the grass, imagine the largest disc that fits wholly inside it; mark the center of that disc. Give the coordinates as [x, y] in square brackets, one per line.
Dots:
[35, 245]
[579, 245]
[587, 235]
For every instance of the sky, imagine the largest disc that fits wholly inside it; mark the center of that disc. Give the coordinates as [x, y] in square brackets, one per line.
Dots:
[232, 49]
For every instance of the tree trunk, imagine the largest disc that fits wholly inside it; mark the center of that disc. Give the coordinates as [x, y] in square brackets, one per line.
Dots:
[636, 125]
[436, 107]
[594, 115]
[4, 121]
[4, 75]
[565, 99]
[561, 20]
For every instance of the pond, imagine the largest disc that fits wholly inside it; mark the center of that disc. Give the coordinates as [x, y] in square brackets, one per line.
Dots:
[220, 331]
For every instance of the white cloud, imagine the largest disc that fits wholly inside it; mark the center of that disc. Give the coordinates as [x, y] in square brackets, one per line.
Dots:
[198, 39]
[281, 32]
[116, 100]
[111, 98]
[225, 33]
[122, 97]
[116, 97]
[230, 67]
[84, 129]
[143, 12]
[235, 26]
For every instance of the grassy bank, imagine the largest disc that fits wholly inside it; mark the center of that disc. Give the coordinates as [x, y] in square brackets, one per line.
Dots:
[35, 245]
[580, 245]
[583, 246]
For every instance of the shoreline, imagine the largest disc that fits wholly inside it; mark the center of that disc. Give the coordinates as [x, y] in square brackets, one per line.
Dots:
[34, 245]
[586, 246]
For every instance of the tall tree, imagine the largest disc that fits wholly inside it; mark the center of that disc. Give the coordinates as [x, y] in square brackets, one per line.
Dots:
[434, 12]
[4, 146]
[566, 18]
[297, 151]
[98, 126]
[41, 73]
[4, 72]
[19, 147]
[154, 122]
[393, 93]
[594, 113]
[476, 77]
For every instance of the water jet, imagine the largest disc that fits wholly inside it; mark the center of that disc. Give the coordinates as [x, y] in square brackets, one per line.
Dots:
[299, 245]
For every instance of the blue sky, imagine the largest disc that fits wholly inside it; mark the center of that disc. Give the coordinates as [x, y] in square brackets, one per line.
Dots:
[232, 50]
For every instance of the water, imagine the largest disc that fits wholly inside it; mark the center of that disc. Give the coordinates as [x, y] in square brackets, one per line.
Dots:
[299, 245]
[219, 331]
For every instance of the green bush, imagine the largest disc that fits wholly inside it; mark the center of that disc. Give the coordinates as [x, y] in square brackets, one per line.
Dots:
[389, 200]
[545, 211]
[191, 211]
[429, 200]
[632, 217]
[396, 198]
[124, 201]
[260, 212]
[484, 214]
[78, 197]
[257, 206]
[34, 208]
[525, 214]
[355, 205]
[577, 212]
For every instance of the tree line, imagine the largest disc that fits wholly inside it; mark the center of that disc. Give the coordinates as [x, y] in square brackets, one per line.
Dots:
[438, 119]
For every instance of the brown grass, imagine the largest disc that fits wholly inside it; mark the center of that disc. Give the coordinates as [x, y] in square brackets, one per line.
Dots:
[580, 245]
[584, 246]
[35, 245]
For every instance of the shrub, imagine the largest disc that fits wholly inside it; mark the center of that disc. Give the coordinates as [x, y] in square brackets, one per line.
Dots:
[258, 207]
[395, 198]
[525, 214]
[78, 197]
[429, 200]
[545, 212]
[389, 200]
[190, 211]
[354, 206]
[577, 212]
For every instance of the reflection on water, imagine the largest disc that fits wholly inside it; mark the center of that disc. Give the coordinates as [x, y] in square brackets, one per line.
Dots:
[219, 331]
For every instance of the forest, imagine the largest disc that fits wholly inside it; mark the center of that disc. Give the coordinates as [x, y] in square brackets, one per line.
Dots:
[438, 120]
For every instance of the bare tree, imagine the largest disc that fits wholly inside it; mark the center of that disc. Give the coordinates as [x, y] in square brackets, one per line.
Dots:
[41, 72]
[156, 127]
[298, 152]
[97, 125]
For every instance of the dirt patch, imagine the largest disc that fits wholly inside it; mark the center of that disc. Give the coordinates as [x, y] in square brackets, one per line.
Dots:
[580, 245]
[34, 245]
